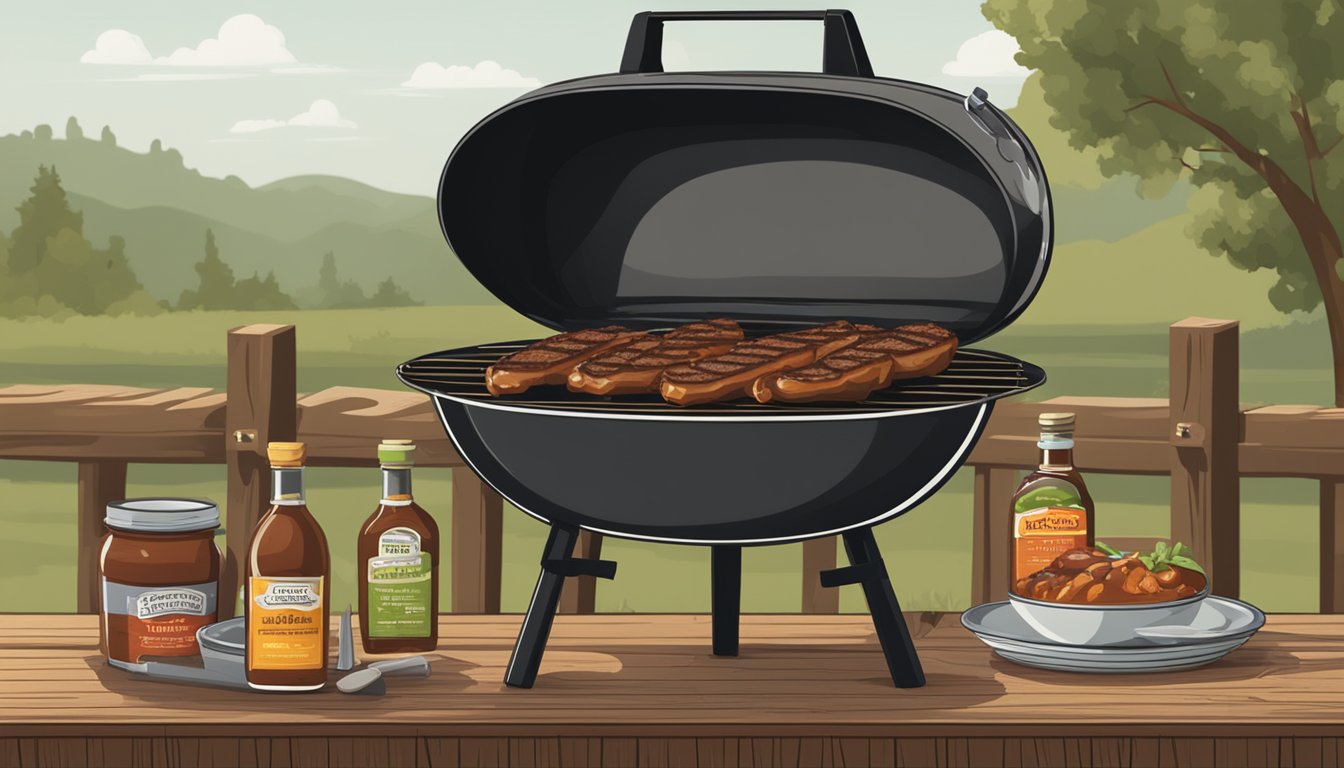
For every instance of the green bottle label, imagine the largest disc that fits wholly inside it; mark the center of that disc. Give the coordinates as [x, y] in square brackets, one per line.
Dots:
[400, 589]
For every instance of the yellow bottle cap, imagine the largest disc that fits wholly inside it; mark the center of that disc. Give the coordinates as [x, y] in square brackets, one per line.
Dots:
[286, 454]
[396, 453]
[1055, 421]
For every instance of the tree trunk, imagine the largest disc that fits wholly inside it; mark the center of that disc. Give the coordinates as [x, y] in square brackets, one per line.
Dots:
[1322, 244]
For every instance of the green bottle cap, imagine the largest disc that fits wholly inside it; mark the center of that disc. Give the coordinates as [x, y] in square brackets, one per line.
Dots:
[396, 453]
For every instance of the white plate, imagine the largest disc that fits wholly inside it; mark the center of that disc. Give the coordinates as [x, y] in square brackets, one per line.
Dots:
[1226, 624]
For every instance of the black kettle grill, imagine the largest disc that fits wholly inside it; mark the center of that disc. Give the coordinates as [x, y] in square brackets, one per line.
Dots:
[780, 200]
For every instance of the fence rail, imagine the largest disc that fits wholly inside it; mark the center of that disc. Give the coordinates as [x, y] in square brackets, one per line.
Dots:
[1200, 438]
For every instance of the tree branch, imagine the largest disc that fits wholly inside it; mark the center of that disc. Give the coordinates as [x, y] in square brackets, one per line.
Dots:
[1212, 149]
[1171, 84]
[1332, 146]
[1143, 103]
[1187, 165]
[1310, 149]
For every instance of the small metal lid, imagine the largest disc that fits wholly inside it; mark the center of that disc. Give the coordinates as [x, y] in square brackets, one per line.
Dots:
[165, 515]
[286, 454]
[228, 636]
[396, 453]
[1056, 422]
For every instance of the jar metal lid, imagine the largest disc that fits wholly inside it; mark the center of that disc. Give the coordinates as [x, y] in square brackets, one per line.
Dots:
[163, 515]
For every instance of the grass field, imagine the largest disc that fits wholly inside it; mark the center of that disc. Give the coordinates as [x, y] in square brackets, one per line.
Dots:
[927, 551]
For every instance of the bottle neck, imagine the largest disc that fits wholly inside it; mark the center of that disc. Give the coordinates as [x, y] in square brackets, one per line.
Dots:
[287, 486]
[1056, 451]
[396, 485]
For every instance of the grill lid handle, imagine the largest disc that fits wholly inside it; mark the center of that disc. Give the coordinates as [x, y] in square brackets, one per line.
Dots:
[842, 51]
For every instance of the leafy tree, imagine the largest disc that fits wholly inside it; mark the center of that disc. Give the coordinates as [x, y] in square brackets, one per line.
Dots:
[108, 137]
[258, 293]
[216, 281]
[218, 290]
[334, 293]
[389, 294]
[42, 132]
[72, 130]
[1244, 100]
[44, 214]
[49, 267]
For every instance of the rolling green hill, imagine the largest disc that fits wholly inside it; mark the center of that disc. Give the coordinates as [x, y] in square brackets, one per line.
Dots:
[162, 209]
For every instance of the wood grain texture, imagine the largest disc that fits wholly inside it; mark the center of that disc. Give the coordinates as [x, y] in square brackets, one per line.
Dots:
[819, 555]
[1205, 483]
[580, 592]
[100, 482]
[991, 535]
[1332, 546]
[477, 544]
[261, 401]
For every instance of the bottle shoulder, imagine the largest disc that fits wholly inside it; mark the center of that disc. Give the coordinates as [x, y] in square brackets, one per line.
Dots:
[389, 516]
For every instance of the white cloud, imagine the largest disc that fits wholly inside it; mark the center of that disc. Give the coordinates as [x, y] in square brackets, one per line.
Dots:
[244, 41]
[321, 114]
[158, 77]
[989, 54]
[487, 74]
[117, 46]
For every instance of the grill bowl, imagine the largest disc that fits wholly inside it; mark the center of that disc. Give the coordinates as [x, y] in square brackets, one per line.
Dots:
[739, 473]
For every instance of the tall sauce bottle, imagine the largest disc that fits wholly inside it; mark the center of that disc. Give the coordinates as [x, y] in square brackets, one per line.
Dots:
[288, 583]
[398, 561]
[1052, 510]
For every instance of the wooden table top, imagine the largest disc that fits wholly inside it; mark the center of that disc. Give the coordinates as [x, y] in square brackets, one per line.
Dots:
[654, 674]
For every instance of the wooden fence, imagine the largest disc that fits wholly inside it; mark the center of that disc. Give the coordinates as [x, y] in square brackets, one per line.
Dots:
[1201, 438]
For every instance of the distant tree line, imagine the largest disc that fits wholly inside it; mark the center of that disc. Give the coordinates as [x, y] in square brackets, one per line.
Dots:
[49, 268]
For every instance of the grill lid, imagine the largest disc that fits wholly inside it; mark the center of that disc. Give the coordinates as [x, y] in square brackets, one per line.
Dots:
[649, 198]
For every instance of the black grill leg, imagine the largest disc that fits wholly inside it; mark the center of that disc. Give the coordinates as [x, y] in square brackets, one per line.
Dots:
[892, 632]
[725, 576]
[526, 659]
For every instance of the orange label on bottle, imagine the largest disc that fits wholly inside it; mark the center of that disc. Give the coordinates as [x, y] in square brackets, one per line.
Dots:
[1043, 534]
[285, 627]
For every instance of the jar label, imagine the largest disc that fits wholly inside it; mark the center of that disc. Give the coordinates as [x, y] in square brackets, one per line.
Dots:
[155, 621]
[1043, 534]
[286, 627]
[400, 587]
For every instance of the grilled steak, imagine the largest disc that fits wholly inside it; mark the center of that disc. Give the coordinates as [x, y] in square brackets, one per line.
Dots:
[730, 375]
[549, 361]
[637, 366]
[855, 372]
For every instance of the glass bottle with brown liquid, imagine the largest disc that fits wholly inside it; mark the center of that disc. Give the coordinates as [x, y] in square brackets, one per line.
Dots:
[1052, 510]
[288, 583]
[398, 564]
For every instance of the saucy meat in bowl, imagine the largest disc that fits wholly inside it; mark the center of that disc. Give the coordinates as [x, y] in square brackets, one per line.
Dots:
[1098, 596]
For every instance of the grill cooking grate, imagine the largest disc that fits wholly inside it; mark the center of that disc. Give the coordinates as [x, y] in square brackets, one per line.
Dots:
[973, 376]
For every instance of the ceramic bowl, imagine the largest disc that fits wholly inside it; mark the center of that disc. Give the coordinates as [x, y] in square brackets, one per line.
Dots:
[1092, 624]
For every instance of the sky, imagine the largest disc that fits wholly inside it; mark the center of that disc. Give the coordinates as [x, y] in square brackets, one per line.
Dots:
[381, 92]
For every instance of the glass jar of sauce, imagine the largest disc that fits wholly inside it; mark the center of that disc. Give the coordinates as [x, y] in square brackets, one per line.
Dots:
[159, 568]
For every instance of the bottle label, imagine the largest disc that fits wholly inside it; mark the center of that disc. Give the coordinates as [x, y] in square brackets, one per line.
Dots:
[400, 587]
[155, 621]
[1049, 520]
[1043, 534]
[286, 625]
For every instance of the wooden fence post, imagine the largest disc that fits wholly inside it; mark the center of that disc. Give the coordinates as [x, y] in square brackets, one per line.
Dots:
[100, 482]
[478, 544]
[1205, 426]
[580, 593]
[818, 556]
[260, 407]
[991, 534]
[1332, 545]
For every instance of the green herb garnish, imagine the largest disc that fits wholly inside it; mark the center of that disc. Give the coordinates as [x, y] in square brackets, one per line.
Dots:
[1163, 557]
[1108, 550]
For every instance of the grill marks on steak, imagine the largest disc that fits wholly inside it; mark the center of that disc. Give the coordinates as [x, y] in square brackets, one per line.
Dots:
[637, 367]
[550, 360]
[731, 375]
[872, 363]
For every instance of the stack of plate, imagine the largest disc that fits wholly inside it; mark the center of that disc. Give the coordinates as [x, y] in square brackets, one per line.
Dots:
[1221, 626]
